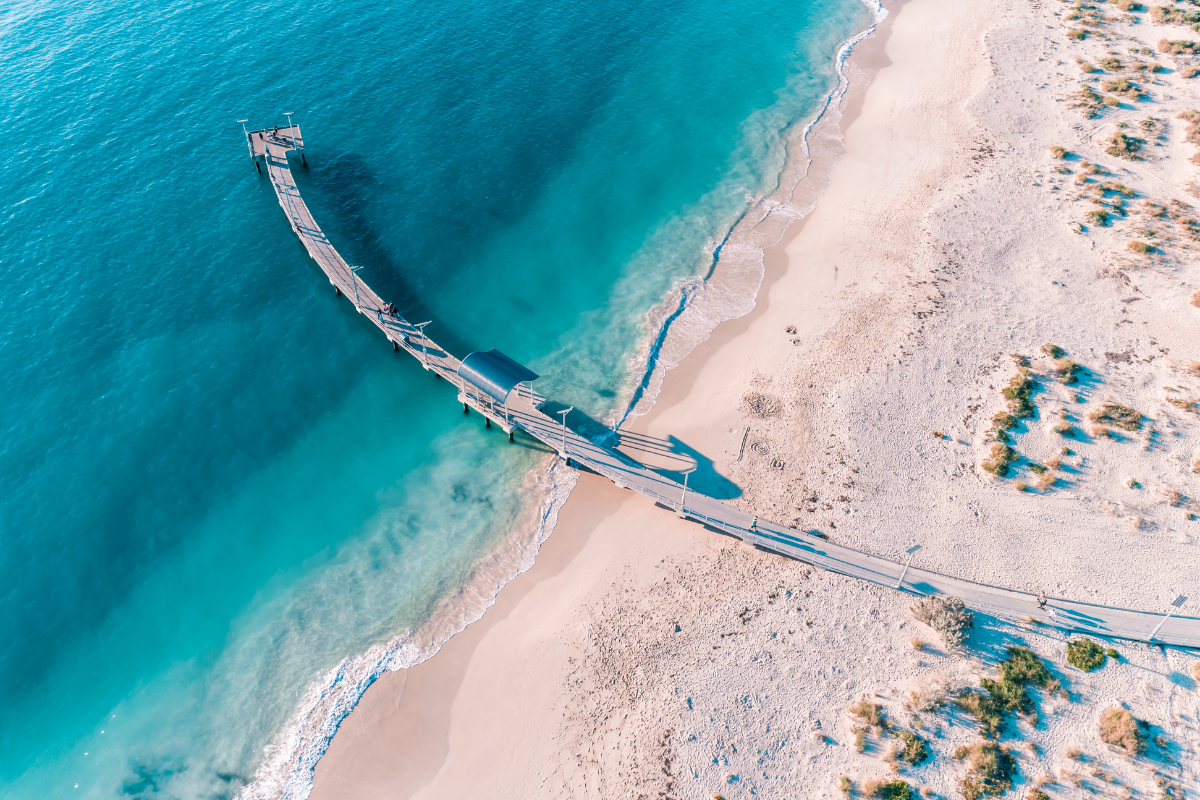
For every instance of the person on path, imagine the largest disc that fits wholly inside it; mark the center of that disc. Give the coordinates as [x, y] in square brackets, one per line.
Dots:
[1041, 601]
[754, 523]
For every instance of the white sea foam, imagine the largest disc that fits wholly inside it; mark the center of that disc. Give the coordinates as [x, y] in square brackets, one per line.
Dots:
[685, 317]
[694, 307]
[286, 771]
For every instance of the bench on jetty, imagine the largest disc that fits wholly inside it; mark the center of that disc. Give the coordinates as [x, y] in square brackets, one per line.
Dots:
[502, 391]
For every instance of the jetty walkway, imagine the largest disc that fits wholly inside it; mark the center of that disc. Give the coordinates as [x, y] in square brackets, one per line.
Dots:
[515, 405]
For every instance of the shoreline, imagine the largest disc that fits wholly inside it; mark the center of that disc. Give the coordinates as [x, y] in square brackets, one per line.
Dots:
[667, 660]
[398, 736]
[867, 58]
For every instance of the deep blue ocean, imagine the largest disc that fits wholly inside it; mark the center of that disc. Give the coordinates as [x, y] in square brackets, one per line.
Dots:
[218, 481]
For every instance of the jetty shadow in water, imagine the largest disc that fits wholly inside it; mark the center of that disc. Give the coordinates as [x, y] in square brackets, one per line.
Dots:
[342, 182]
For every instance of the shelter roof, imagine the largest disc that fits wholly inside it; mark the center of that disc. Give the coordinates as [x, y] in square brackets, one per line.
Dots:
[494, 373]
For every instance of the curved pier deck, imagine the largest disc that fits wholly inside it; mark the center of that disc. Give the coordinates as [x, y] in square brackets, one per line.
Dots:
[523, 410]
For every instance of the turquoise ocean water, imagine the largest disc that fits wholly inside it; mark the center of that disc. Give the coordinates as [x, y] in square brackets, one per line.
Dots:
[226, 503]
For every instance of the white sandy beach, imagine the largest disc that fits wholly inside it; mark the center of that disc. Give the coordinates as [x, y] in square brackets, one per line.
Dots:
[643, 655]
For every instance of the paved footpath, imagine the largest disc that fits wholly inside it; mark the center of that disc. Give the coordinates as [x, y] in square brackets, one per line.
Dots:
[523, 410]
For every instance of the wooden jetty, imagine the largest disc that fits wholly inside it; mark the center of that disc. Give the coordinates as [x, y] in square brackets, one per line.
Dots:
[522, 409]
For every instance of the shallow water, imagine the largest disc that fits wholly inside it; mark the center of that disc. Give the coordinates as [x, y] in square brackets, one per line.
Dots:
[220, 482]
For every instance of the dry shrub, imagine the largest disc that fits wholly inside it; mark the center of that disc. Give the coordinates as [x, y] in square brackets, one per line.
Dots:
[1122, 730]
[949, 618]
[870, 713]
[760, 405]
[1117, 416]
[1141, 248]
[1190, 72]
[929, 696]
[1192, 131]
[1196, 299]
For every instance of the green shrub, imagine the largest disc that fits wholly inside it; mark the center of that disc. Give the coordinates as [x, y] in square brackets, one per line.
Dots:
[1177, 47]
[1017, 393]
[1165, 15]
[913, 750]
[1085, 654]
[1002, 457]
[1019, 670]
[1124, 146]
[1098, 217]
[990, 771]
[1053, 350]
[890, 790]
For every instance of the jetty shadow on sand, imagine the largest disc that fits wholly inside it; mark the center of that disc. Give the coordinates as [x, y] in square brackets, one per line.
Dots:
[669, 457]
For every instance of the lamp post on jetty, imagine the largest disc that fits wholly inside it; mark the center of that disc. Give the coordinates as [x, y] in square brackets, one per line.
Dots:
[250, 144]
[424, 353]
[564, 413]
[683, 500]
[1176, 604]
[915, 547]
[292, 128]
[354, 280]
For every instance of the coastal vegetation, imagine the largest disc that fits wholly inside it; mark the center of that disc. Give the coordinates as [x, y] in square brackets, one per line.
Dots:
[1009, 694]
[895, 789]
[949, 617]
[990, 770]
[912, 749]
[1165, 15]
[1124, 146]
[1116, 415]
[1119, 728]
[1179, 46]
[1001, 458]
[1085, 655]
